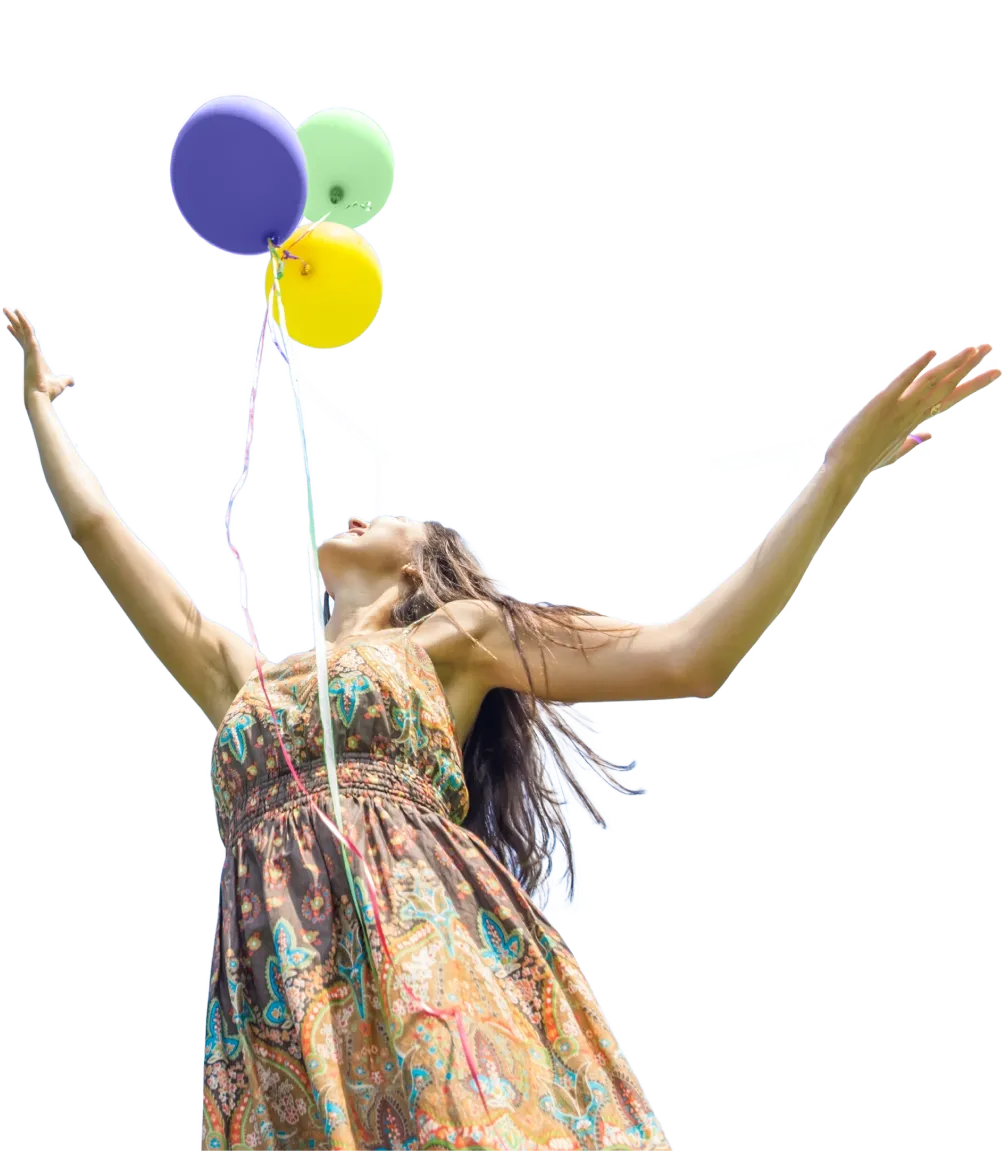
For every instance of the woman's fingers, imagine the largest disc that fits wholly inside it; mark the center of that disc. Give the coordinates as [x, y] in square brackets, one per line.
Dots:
[16, 319]
[911, 379]
[941, 381]
[21, 329]
[957, 363]
[14, 327]
[943, 387]
[902, 381]
[970, 386]
[978, 354]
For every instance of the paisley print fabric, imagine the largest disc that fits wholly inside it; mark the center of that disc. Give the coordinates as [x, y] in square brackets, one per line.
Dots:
[305, 1046]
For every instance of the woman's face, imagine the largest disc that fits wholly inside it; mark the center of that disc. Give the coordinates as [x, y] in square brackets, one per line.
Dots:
[383, 545]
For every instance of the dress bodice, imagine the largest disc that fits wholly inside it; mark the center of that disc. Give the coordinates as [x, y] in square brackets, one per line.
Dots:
[391, 724]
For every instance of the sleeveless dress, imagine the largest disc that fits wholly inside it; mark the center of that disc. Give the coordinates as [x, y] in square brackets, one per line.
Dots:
[304, 1047]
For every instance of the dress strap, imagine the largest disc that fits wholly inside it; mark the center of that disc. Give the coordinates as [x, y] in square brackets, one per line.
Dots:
[410, 627]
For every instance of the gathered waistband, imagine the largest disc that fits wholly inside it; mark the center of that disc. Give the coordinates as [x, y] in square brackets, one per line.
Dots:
[358, 777]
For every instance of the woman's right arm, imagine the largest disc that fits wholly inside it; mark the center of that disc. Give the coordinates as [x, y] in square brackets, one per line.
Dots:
[204, 657]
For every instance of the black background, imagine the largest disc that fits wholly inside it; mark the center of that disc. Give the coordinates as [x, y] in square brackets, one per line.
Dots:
[549, 394]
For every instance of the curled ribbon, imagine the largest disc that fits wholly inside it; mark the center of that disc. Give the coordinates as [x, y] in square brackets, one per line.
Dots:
[346, 844]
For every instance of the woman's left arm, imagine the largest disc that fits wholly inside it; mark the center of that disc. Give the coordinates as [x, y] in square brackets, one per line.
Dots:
[696, 653]
[725, 626]
[690, 656]
[615, 660]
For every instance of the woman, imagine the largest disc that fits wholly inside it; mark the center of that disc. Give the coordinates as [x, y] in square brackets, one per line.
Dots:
[411, 687]
[435, 710]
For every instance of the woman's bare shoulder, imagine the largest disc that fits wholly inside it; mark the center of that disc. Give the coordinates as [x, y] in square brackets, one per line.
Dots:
[452, 632]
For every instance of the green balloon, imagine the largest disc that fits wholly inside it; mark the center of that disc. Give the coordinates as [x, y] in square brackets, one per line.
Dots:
[350, 166]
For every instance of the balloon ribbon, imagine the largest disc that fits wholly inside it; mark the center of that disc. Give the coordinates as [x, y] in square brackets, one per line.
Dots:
[326, 719]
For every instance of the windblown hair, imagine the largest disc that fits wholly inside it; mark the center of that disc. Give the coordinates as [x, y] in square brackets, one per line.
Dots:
[512, 807]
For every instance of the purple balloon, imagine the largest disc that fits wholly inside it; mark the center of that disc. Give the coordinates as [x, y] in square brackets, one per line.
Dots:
[239, 174]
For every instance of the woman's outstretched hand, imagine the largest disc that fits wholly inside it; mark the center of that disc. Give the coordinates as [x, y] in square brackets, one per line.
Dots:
[38, 377]
[879, 433]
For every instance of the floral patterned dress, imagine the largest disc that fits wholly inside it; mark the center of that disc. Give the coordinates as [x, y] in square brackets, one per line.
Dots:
[305, 1048]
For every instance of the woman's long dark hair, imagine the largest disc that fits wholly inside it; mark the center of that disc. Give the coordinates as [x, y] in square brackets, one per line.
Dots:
[511, 805]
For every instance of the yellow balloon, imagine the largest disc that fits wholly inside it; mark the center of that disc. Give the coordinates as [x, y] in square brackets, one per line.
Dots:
[333, 291]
